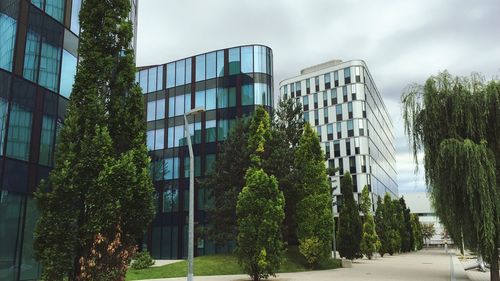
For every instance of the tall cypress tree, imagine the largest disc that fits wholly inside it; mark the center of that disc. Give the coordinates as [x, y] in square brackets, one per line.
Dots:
[456, 122]
[406, 232]
[314, 213]
[349, 233]
[260, 209]
[97, 202]
[370, 242]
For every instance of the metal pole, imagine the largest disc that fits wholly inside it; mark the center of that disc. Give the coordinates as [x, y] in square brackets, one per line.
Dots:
[191, 203]
[333, 218]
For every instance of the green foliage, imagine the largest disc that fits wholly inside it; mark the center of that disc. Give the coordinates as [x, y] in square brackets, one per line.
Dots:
[97, 202]
[226, 182]
[260, 216]
[312, 250]
[406, 233]
[350, 228]
[142, 260]
[370, 243]
[416, 228]
[456, 122]
[395, 217]
[286, 130]
[428, 231]
[314, 215]
[259, 133]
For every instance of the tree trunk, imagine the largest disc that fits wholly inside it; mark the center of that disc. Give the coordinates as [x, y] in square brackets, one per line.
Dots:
[494, 275]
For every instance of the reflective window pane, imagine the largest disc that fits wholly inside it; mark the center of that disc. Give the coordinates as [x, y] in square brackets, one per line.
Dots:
[234, 61]
[159, 82]
[220, 63]
[68, 72]
[188, 70]
[151, 108]
[20, 122]
[180, 68]
[210, 100]
[75, 10]
[247, 94]
[143, 80]
[8, 27]
[171, 106]
[31, 55]
[211, 65]
[159, 139]
[160, 109]
[55, 8]
[152, 79]
[247, 59]
[47, 139]
[150, 139]
[200, 99]
[259, 59]
[170, 75]
[200, 68]
[179, 105]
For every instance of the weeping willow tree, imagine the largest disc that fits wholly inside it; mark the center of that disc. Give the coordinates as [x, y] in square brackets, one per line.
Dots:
[455, 121]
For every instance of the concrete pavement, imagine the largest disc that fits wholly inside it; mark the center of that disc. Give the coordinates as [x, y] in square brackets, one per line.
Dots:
[425, 265]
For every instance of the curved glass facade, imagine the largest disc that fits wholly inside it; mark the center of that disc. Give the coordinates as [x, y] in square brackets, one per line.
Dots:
[229, 84]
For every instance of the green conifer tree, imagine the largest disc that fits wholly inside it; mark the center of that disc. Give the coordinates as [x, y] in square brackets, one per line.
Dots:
[314, 215]
[370, 242]
[260, 209]
[349, 233]
[97, 202]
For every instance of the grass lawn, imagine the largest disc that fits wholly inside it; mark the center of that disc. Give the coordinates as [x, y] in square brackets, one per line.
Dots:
[221, 265]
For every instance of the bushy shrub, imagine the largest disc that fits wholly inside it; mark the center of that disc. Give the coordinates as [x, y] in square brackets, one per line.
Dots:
[312, 250]
[142, 260]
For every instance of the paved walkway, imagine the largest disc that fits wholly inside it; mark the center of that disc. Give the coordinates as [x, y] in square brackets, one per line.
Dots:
[426, 265]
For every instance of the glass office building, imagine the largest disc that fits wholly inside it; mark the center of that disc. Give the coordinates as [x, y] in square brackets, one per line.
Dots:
[38, 59]
[228, 83]
[341, 101]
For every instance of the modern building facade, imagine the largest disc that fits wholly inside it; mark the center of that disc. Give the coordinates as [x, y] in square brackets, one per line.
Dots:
[38, 59]
[420, 204]
[341, 101]
[228, 83]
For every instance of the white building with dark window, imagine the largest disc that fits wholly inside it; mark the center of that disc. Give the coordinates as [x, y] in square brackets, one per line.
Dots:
[341, 101]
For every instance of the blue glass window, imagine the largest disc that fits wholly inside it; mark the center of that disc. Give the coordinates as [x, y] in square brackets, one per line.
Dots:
[171, 106]
[159, 139]
[179, 105]
[305, 100]
[19, 136]
[222, 129]
[211, 65]
[210, 131]
[210, 100]
[68, 72]
[200, 99]
[152, 79]
[170, 140]
[160, 109]
[179, 135]
[234, 61]
[150, 115]
[55, 8]
[75, 10]
[49, 65]
[150, 139]
[170, 75]
[38, 3]
[187, 103]
[231, 97]
[261, 94]
[350, 125]
[247, 59]
[220, 63]
[339, 109]
[8, 27]
[4, 105]
[188, 70]
[222, 98]
[160, 78]
[247, 94]
[259, 59]
[31, 55]
[47, 139]
[143, 80]
[200, 68]
[306, 116]
[180, 68]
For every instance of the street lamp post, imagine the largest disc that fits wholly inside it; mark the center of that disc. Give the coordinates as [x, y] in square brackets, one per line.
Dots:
[191, 193]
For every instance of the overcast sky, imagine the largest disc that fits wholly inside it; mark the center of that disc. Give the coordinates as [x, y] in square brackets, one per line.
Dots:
[402, 41]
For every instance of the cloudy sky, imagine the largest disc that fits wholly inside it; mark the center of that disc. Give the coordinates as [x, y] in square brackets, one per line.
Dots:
[401, 41]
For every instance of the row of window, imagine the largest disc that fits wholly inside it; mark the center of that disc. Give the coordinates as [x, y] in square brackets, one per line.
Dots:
[214, 131]
[345, 147]
[248, 59]
[167, 168]
[295, 88]
[16, 126]
[352, 167]
[326, 115]
[331, 97]
[210, 99]
[339, 129]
